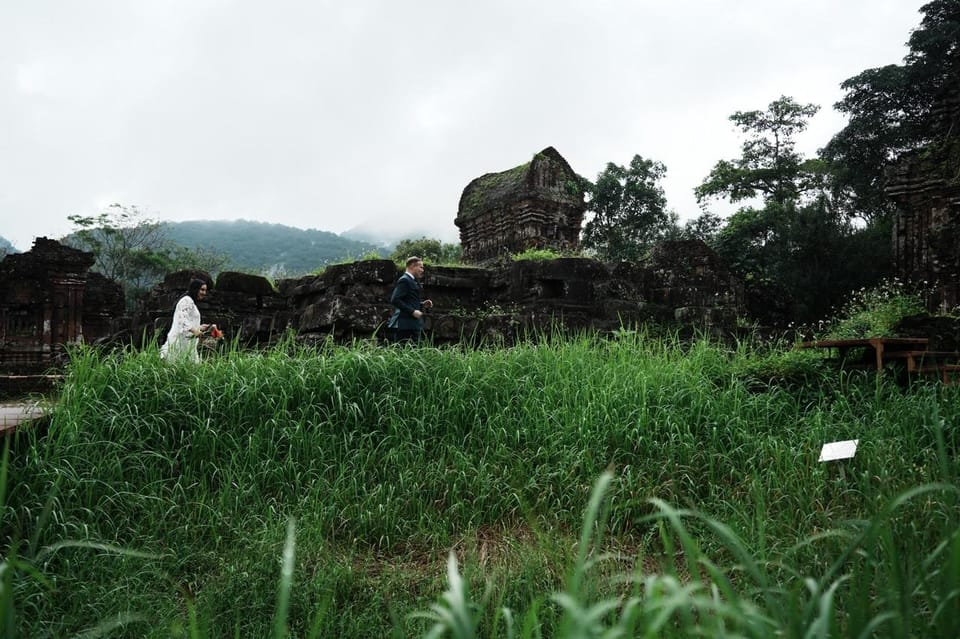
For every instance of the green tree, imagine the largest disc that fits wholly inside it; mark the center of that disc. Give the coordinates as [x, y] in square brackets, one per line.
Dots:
[749, 241]
[757, 240]
[874, 135]
[802, 253]
[792, 240]
[128, 245]
[889, 112]
[629, 211]
[769, 166]
[132, 248]
[826, 258]
[705, 227]
[430, 250]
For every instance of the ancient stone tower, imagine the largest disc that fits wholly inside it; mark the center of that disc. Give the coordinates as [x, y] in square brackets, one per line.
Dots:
[535, 205]
[925, 186]
[48, 299]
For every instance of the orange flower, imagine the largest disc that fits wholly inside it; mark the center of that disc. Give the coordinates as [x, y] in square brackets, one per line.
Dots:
[216, 333]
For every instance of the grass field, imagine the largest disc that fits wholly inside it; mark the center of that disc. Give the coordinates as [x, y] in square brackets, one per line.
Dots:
[571, 487]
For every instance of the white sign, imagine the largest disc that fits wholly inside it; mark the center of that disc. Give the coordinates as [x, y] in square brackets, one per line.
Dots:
[838, 450]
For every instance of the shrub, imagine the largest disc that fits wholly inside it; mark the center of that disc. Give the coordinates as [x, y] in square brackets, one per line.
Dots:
[536, 255]
[873, 312]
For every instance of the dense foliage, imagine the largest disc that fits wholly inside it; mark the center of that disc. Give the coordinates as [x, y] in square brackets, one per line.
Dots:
[876, 311]
[889, 112]
[133, 249]
[628, 211]
[789, 236]
[320, 492]
[429, 250]
[769, 166]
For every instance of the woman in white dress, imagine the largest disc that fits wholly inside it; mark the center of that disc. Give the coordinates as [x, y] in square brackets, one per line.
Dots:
[184, 335]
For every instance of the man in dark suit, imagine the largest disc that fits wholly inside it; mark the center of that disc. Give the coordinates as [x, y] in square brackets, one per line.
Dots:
[406, 323]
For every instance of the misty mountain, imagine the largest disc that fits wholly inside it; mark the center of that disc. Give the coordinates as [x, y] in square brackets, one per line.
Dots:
[6, 248]
[273, 249]
[387, 236]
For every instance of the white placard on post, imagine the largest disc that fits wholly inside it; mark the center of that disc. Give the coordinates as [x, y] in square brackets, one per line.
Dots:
[838, 450]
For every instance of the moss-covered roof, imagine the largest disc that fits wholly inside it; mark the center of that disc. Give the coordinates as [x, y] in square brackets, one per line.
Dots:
[491, 189]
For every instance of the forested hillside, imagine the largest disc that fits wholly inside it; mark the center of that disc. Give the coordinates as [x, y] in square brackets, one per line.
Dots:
[274, 249]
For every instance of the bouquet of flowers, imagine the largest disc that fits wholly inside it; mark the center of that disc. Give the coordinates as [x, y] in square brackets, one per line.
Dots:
[211, 332]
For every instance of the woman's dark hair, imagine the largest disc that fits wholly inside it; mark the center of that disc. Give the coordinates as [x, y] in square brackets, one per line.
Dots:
[194, 289]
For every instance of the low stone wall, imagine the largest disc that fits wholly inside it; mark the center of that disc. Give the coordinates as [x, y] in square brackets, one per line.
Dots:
[684, 282]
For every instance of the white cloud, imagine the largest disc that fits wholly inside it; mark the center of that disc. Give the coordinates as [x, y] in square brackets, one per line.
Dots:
[330, 115]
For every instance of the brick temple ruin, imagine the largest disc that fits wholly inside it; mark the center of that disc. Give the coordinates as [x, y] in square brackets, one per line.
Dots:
[539, 205]
[925, 186]
[49, 298]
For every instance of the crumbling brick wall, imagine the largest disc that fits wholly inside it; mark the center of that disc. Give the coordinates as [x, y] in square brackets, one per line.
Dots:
[925, 186]
[48, 299]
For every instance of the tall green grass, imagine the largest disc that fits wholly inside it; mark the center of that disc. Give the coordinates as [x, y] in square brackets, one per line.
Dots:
[875, 587]
[160, 500]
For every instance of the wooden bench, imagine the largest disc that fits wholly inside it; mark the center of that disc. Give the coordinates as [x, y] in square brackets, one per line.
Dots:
[877, 349]
[944, 371]
[915, 360]
[939, 363]
[878, 352]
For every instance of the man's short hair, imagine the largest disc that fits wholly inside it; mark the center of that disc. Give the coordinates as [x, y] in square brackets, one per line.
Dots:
[413, 259]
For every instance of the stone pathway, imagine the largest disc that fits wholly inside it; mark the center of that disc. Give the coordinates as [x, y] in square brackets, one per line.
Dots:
[12, 414]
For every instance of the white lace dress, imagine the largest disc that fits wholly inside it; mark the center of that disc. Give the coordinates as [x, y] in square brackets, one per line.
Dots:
[181, 345]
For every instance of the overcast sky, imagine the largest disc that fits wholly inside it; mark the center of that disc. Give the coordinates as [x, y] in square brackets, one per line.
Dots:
[377, 113]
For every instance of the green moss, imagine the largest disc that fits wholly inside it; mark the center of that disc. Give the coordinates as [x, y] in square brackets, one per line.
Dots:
[536, 255]
[485, 192]
[488, 189]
